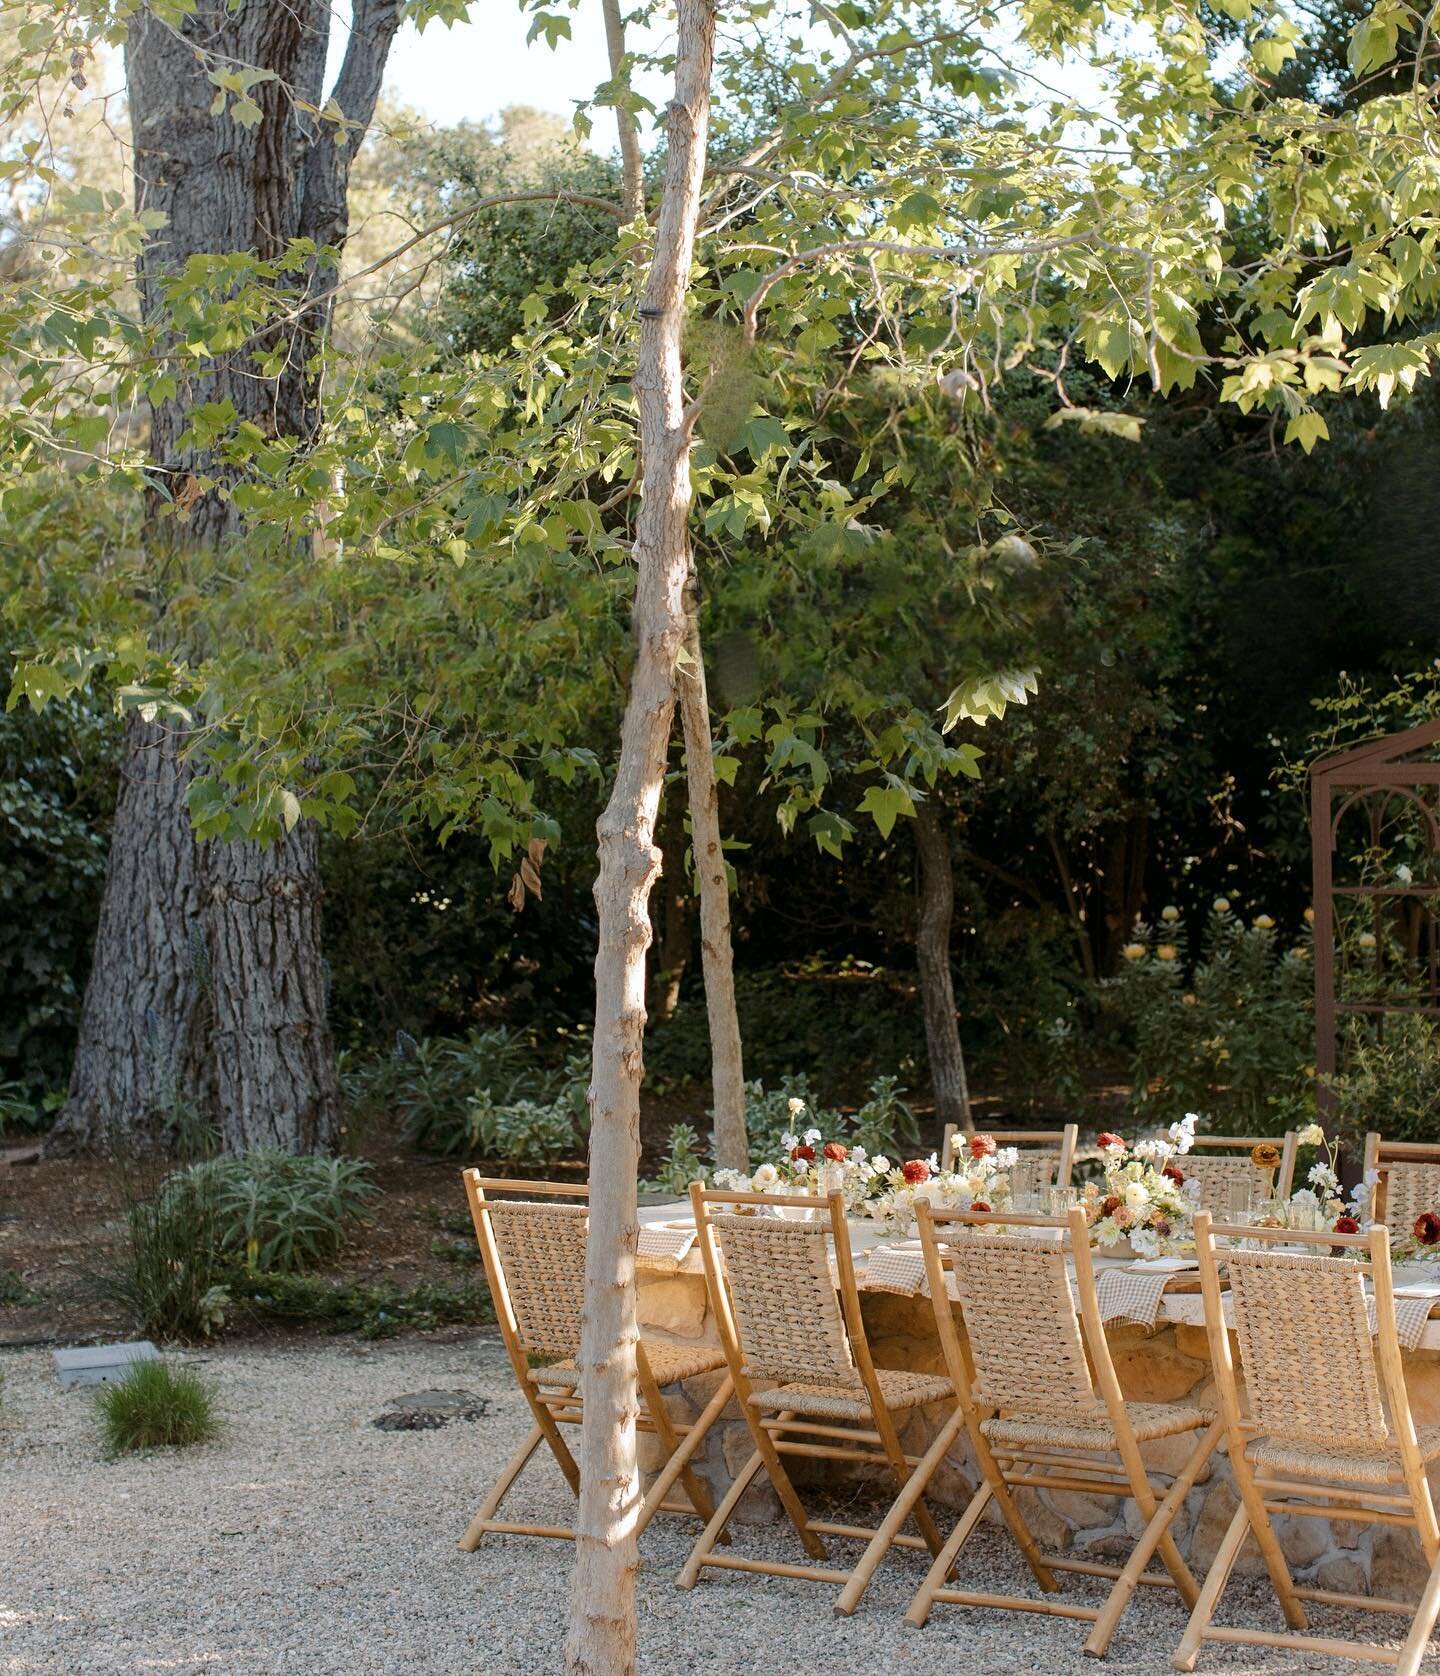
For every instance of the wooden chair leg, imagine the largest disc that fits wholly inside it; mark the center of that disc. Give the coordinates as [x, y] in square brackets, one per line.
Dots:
[775, 1468]
[890, 1442]
[682, 1456]
[1144, 1494]
[705, 1542]
[924, 1598]
[1418, 1640]
[1211, 1589]
[1098, 1641]
[1013, 1517]
[558, 1446]
[1272, 1553]
[491, 1505]
[677, 1450]
[911, 1491]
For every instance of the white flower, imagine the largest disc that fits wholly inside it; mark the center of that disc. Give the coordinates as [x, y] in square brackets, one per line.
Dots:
[1311, 1135]
[1151, 1150]
[1321, 1175]
[1145, 1241]
[1403, 873]
[958, 1140]
[812, 1137]
[733, 1181]
[766, 1177]
[1007, 1158]
[880, 1164]
[1182, 1134]
[1305, 1200]
[857, 1155]
[789, 1141]
[1137, 1195]
[794, 1105]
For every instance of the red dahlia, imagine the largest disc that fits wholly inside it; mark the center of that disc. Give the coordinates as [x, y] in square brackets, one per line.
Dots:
[915, 1171]
[836, 1153]
[797, 1153]
[1346, 1225]
[1427, 1228]
[1108, 1139]
[981, 1146]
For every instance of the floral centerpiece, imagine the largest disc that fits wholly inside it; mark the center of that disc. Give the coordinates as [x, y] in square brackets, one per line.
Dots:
[1319, 1206]
[976, 1177]
[1143, 1195]
[810, 1165]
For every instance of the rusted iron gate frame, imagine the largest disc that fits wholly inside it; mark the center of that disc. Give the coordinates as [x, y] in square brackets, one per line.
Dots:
[1359, 772]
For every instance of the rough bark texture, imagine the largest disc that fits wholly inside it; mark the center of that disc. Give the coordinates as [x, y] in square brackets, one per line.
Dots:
[932, 957]
[141, 1042]
[727, 1062]
[274, 1059]
[601, 1638]
[224, 187]
[632, 163]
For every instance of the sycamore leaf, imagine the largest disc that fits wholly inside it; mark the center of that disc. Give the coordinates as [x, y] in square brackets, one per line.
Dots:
[1307, 429]
[884, 804]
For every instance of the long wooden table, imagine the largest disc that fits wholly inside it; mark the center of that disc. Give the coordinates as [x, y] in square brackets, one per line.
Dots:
[1164, 1366]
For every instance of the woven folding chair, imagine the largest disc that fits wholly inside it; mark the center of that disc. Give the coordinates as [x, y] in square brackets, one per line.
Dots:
[1030, 1403]
[1315, 1443]
[1409, 1180]
[534, 1255]
[1228, 1181]
[1047, 1156]
[796, 1345]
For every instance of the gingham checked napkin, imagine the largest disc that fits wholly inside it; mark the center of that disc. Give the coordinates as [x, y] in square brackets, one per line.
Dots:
[1412, 1313]
[662, 1247]
[1133, 1294]
[898, 1269]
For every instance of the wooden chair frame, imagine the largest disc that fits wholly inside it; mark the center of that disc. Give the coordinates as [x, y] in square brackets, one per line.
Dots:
[1289, 1142]
[1066, 1139]
[553, 1407]
[1380, 1156]
[786, 1433]
[1058, 1467]
[1306, 1497]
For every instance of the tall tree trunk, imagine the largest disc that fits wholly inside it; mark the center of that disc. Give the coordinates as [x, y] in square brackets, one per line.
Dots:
[936, 884]
[601, 1638]
[225, 187]
[727, 1063]
[274, 1059]
[140, 1053]
[672, 920]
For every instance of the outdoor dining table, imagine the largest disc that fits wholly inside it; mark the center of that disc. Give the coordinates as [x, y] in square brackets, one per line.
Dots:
[1163, 1364]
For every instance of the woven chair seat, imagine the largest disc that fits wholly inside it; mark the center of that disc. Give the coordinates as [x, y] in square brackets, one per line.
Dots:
[833, 1402]
[1353, 1465]
[1149, 1420]
[668, 1362]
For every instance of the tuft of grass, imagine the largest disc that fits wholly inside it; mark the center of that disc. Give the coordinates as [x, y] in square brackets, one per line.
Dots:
[14, 1293]
[156, 1406]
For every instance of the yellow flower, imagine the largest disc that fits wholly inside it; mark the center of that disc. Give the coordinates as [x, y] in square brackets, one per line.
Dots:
[1300, 954]
[1170, 914]
[1191, 1000]
[1265, 1155]
[1222, 904]
[1263, 922]
[1309, 916]
[1367, 939]
[1166, 951]
[1134, 951]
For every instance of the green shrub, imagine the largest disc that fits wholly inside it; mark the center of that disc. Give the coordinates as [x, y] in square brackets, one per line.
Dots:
[14, 1293]
[1231, 1038]
[263, 1210]
[171, 1277]
[372, 1311]
[686, 1160]
[155, 1407]
[276, 1210]
[1389, 1082]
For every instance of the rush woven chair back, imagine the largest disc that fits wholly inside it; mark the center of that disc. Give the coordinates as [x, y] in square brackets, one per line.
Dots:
[1409, 1180]
[1228, 1179]
[1041, 1401]
[1328, 1432]
[1047, 1156]
[782, 1291]
[534, 1255]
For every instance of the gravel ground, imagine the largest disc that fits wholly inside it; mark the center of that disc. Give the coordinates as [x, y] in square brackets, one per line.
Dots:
[306, 1542]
